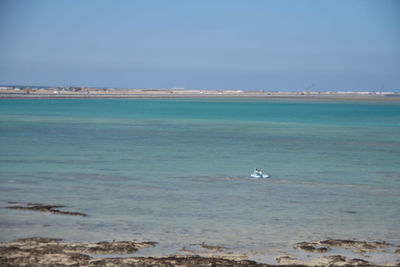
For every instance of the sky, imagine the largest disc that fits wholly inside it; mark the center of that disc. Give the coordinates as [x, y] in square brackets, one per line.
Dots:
[281, 45]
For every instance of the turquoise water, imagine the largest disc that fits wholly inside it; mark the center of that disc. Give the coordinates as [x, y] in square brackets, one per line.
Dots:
[177, 171]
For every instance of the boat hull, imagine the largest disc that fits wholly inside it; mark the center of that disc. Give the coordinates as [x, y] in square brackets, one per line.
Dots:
[259, 176]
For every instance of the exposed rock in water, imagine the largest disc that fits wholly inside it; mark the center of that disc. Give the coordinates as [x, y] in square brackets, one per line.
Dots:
[104, 247]
[311, 247]
[351, 211]
[287, 260]
[45, 208]
[335, 260]
[358, 262]
[53, 252]
[211, 247]
[326, 245]
[206, 250]
[37, 251]
[357, 246]
[203, 247]
[176, 261]
[322, 246]
[115, 247]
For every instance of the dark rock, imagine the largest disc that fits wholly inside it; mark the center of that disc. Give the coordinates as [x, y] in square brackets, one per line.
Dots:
[336, 258]
[46, 208]
[351, 211]
[211, 247]
[311, 247]
[31, 240]
[106, 247]
[175, 261]
[359, 246]
[284, 258]
[337, 243]
[358, 262]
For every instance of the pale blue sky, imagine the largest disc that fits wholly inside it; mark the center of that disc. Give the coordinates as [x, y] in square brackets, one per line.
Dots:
[218, 44]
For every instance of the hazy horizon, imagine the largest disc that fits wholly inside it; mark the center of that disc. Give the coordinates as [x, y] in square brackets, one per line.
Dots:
[238, 45]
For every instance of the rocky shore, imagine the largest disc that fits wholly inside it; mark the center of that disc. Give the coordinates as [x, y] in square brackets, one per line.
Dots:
[360, 248]
[40, 251]
[37, 251]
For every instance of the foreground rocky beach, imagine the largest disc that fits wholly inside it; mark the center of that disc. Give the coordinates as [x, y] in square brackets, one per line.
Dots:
[37, 251]
[45, 251]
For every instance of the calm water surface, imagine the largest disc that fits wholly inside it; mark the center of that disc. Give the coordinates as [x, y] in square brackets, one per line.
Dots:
[177, 171]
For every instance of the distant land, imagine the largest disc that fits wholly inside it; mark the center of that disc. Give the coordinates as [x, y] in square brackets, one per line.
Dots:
[19, 91]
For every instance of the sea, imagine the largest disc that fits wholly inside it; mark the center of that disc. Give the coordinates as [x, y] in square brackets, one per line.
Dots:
[177, 171]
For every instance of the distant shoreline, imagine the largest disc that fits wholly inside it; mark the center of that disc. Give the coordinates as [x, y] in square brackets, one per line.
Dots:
[204, 95]
[174, 93]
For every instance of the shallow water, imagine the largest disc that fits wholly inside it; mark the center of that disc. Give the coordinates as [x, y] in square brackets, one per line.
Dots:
[177, 171]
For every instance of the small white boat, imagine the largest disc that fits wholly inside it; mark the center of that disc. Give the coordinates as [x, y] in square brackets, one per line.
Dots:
[259, 174]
